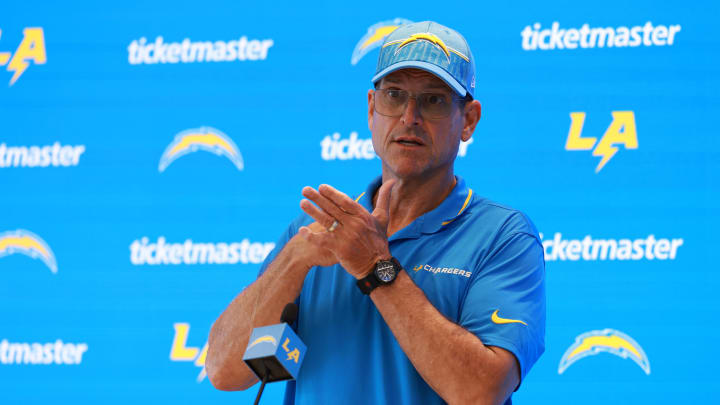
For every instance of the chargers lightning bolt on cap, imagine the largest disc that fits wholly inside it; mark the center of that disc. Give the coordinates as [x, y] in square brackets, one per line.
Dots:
[432, 47]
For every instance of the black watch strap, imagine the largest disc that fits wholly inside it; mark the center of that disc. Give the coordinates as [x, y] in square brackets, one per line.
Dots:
[371, 282]
[368, 283]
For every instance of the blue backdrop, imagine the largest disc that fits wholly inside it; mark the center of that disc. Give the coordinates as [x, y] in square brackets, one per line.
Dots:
[151, 153]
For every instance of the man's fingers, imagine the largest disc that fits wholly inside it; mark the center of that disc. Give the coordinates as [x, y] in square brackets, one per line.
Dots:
[382, 206]
[324, 203]
[317, 214]
[340, 199]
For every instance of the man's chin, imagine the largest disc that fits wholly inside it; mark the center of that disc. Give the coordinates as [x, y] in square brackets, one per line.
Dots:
[406, 169]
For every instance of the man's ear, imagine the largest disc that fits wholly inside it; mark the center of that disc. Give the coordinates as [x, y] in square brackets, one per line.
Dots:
[371, 108]
[472, 113]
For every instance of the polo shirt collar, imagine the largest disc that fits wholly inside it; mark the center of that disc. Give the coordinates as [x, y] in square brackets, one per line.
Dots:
[454, 205]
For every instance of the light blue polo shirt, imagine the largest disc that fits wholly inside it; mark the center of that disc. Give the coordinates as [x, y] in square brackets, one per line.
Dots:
[479, 263]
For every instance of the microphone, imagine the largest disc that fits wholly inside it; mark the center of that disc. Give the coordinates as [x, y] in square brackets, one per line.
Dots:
[275, 352]
[289, 313]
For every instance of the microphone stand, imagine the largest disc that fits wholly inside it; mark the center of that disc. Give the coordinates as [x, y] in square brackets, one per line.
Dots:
[262, 387]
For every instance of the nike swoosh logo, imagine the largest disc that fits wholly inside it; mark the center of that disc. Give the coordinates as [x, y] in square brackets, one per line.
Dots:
[498, 320]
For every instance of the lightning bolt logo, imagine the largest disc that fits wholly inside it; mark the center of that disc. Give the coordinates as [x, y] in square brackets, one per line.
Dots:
[32, 48]
[378, 35]
[607, 341]
[206, 139]
[374, 37]
[29, 244]
[429, 37]
[606, 151]
[425, 36]
[266, 338]
[200, 362]
[622, 131]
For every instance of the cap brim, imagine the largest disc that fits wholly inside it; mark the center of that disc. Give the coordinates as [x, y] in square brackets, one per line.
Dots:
[428, 67]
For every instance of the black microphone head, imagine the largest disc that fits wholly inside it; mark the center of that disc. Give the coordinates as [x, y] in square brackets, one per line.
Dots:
[289, 314]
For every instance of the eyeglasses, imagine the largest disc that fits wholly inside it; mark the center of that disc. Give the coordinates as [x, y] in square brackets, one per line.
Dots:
[392, 103]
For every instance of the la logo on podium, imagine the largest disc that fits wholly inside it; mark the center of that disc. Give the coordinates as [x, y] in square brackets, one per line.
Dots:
[291, 354]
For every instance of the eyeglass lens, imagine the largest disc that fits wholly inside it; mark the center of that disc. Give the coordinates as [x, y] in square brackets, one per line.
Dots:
[392, 102]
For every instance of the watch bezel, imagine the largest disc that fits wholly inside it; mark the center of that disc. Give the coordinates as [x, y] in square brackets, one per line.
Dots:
[370, 282]
[383, 266]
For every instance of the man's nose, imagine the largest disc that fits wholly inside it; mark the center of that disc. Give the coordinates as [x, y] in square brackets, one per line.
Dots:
[411, 115]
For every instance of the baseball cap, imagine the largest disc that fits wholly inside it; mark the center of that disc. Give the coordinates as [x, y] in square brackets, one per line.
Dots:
[432, 47]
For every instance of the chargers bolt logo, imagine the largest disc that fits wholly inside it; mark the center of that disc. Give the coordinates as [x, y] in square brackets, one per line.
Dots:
[31, 49]
[426, 36]
[266, 338]
[431, 38]
[620, 132]
[29, 244]
[203, 138]
[375, 36]
[606, 340]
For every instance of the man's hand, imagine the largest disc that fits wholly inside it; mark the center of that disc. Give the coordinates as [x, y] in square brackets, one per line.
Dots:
[311, 254]
[360, 238]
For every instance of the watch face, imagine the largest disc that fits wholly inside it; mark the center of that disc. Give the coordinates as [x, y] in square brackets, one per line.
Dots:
[385, 271]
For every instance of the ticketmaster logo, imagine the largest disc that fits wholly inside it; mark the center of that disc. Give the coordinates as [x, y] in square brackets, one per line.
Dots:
[160, 252]
[534, 37]
[592, 249]
[142, 52]
[42, 353]
[334, 147]
[54, 155]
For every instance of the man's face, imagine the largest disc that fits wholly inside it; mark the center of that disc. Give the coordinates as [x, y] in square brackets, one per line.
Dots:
[411, 145]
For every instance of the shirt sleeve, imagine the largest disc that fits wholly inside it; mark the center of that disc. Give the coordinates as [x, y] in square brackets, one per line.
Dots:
[505, 303]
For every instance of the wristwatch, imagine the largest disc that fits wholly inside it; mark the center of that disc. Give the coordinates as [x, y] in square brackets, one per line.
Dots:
[384, 273]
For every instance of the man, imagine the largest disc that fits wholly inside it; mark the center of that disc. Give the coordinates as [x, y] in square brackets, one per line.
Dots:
[418, 291]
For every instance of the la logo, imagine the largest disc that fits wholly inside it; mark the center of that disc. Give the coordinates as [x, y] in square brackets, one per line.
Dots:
[31, 49]
[291, 354]
[620, 132]
[179, 351]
